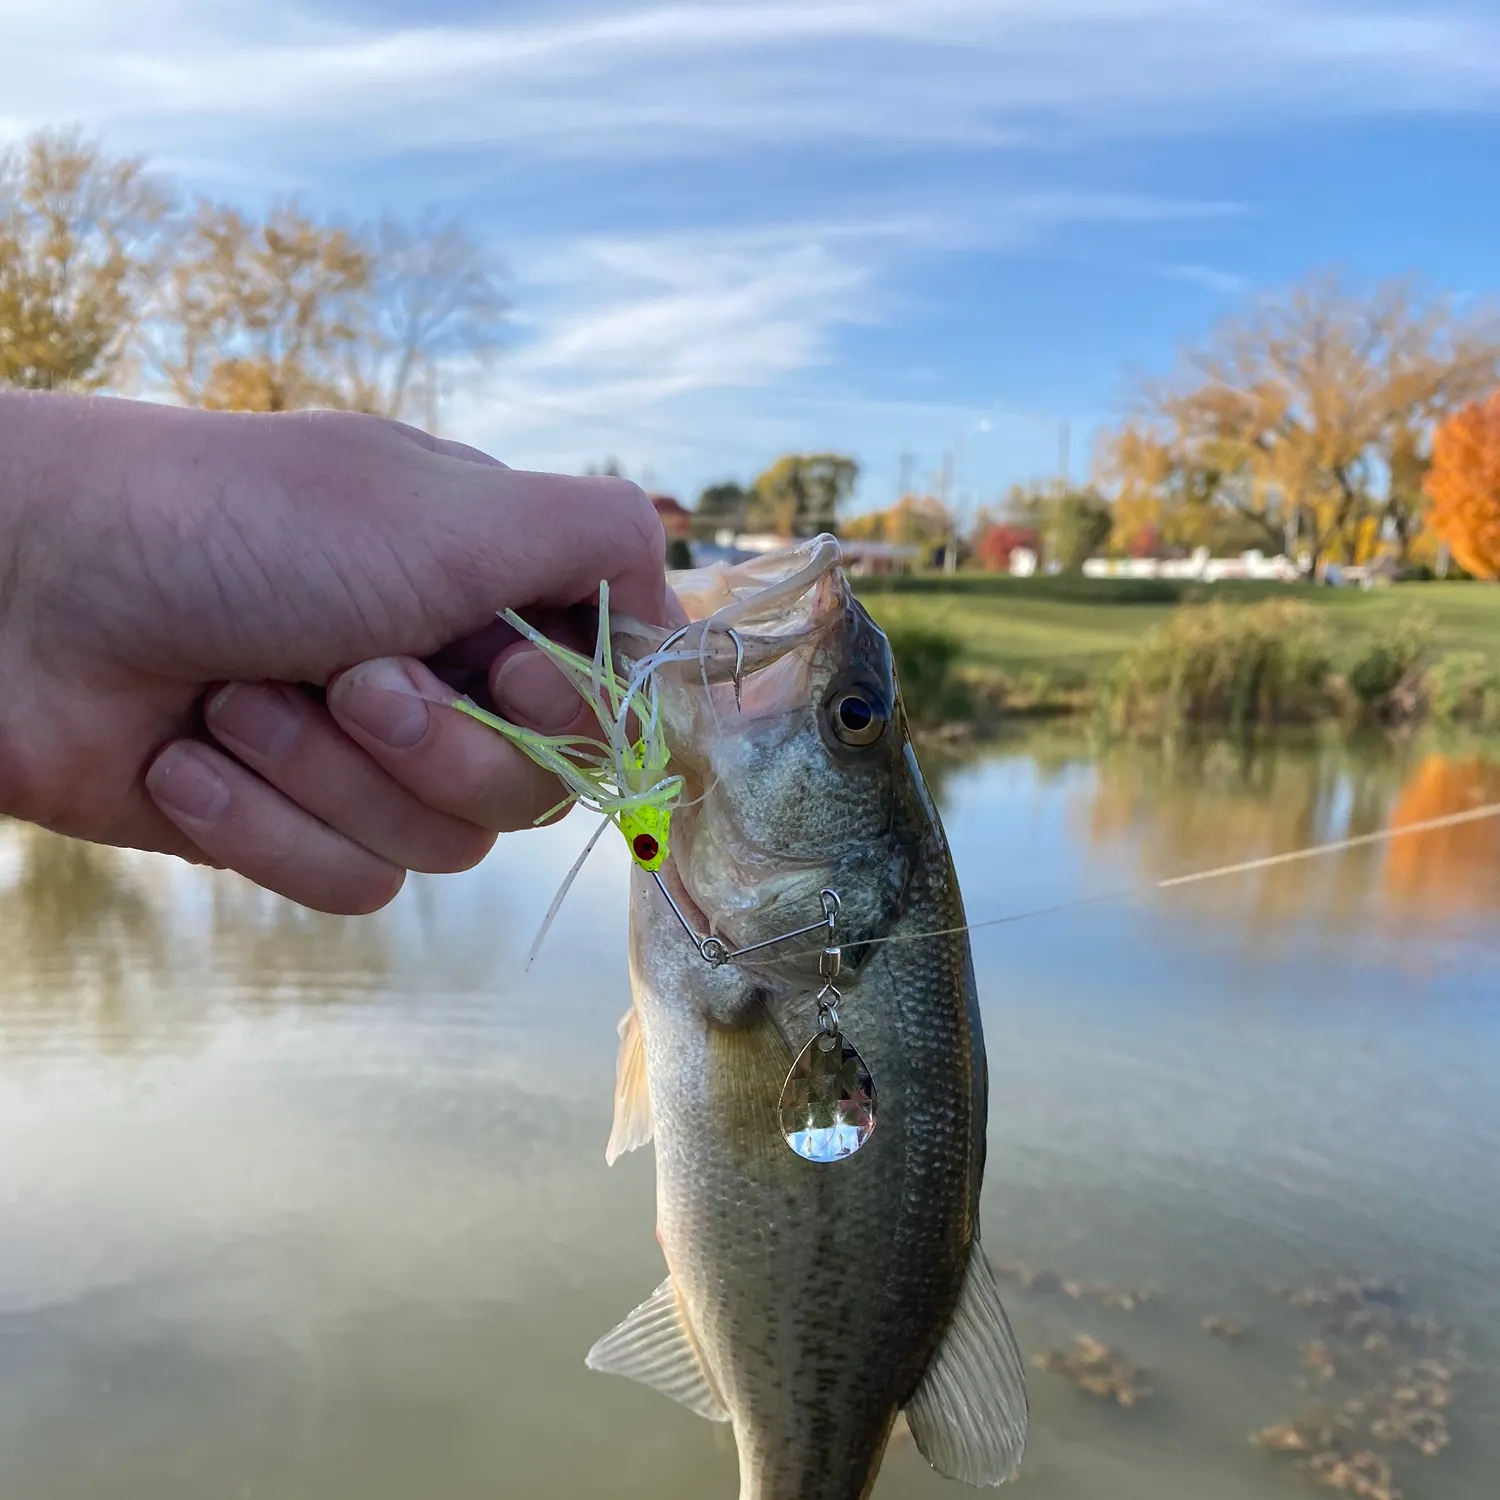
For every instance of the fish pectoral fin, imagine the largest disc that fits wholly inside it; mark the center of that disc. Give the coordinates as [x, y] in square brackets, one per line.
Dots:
[634, 1124]
[969, 1414]
[654, 1346]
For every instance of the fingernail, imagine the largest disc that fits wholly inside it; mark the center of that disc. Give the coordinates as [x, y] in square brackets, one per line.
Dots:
[182, 782]
[528, 687]
[260, 717]
[383, 701]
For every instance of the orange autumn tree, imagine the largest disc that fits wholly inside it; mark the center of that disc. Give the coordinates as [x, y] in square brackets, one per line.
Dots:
[1463, 485]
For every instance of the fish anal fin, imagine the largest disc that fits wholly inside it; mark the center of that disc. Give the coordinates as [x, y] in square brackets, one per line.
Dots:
[653, 1346]
[968, 1417]
[634, 1124]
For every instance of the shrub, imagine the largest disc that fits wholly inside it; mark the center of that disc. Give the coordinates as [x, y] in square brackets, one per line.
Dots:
[1266, 663]
[1079, 525]
[925, 659]
[1385, 678]
[1464, 688]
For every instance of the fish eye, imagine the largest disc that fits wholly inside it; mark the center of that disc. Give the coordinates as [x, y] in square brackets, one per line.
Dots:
[858, 717]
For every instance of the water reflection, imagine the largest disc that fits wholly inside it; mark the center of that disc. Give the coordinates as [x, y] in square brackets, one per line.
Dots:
[298, 1206]
[129, 949]
[1450, 869]
[1184, 809]
[82, 937]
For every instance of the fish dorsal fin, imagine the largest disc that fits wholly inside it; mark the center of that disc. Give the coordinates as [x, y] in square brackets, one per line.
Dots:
[969, 1414]
[634, 1125]
[653, 1346]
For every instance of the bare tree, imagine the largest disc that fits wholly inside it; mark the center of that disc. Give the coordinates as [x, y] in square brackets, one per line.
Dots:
[435, 303]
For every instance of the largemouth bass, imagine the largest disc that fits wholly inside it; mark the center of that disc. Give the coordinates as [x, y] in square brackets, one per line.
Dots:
[809, 1302]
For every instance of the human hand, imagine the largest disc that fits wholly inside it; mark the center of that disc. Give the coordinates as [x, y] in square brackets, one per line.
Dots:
[211, 627]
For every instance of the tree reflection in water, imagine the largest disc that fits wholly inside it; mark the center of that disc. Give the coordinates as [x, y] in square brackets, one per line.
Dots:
[1175, 809]
[119, 951]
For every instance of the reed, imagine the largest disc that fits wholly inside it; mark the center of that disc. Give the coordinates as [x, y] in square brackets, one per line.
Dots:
[1235, 668]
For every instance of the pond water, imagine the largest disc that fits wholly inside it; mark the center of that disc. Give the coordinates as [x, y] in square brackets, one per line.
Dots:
[298, 1207]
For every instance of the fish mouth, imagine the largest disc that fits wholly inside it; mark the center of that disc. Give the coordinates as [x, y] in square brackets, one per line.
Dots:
[758, 591]
[745, 662]
[745, 617]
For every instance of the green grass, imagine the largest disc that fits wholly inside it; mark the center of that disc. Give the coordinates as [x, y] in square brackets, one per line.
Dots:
[1067, 633]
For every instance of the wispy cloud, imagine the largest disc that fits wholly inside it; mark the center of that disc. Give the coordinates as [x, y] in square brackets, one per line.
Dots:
[809, 171]
[1224, 282]
[685, 77]
[646, 348]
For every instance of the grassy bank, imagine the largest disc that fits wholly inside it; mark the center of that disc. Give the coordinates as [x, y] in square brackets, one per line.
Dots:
[1055, 644]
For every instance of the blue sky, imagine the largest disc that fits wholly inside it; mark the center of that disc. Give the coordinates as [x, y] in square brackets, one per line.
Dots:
[882, 226]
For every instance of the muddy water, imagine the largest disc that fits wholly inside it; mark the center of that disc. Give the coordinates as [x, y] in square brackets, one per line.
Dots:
[293, 1207]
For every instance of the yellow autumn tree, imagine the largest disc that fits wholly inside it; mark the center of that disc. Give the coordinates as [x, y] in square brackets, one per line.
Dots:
[913, 521]
[800, 494]
[83, 238]
[1463, 485]
[294, 311]
[1304, 416]
[261, 316]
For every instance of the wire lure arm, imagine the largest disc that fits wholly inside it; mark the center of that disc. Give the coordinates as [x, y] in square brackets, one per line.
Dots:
[714, 951]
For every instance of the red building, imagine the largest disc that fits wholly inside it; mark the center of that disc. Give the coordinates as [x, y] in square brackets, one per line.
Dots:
[994, 547]
[675, 521]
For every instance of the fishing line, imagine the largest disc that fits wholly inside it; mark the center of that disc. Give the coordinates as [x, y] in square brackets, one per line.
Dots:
[628, 783]
[1174, 882]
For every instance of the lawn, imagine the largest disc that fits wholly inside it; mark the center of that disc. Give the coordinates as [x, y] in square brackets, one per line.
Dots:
[1068, 631]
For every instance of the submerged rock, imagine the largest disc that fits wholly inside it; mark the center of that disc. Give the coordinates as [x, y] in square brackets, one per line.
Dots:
[1231, 1330]
[1397, 1370]
[1121, 1298]
[1363, 1474]
[1316, 1428]
[1099, 1371]
[1325, 1441]
[1343, 1292]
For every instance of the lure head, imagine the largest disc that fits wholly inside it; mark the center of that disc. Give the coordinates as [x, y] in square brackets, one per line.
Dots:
[647, 829]
[806, 782]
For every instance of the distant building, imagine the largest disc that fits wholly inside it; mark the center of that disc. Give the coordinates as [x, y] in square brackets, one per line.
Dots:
[998, 544]
[705, 554]
[867, 559]
[1201, 567]
[762, 541]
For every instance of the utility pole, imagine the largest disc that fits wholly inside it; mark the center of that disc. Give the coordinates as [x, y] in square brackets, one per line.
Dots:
[1064, 436]
[903, 483]
[945, 484]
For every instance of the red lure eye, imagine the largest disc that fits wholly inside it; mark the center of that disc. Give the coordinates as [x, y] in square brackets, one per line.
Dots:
[644, 847]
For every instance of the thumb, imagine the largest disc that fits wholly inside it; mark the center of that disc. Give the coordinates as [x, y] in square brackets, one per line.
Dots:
[494, 538]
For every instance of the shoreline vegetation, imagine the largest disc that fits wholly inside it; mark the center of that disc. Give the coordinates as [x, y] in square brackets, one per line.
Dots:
[1158, 657]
